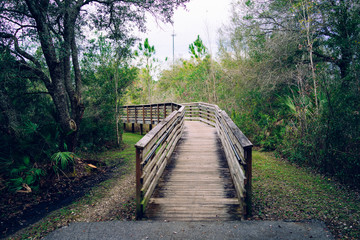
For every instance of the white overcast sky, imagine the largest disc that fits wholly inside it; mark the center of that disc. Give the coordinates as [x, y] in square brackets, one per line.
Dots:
[201, 17]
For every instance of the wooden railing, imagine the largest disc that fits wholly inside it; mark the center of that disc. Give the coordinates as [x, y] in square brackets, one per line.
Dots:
[237, 147]
[152, 154]
[155, 148]
[148, 114]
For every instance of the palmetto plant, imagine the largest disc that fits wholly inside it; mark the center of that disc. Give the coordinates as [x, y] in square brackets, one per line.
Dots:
[25, 175]
[62, 159]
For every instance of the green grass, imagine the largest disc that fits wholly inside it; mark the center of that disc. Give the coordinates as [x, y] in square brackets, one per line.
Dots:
[114, 157]
[285, 191]
[124, 160]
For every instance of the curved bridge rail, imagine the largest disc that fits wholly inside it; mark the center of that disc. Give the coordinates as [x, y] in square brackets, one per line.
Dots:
[149, 113]
[155, 148]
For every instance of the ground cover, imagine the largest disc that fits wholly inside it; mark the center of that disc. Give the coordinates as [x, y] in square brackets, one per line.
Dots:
[284, 191]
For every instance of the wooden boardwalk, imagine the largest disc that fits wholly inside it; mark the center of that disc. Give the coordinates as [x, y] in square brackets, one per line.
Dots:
[196, 184]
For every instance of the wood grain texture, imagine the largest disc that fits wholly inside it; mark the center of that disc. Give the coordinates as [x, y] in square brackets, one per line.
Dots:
[196, 184]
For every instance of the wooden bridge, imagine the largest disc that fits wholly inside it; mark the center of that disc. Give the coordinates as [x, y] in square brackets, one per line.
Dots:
[195, 164]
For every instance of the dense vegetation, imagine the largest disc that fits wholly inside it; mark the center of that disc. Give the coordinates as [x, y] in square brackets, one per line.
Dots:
[288, 73]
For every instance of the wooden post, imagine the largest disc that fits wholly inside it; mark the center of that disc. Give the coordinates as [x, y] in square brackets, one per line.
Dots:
[158, 114]
[164, 110]
[172, 107]
[150, 127]
[143, 108]
[151, 120]
[141, 128]
[248, 175]
[135, 115]
[139, 210]
[127, 113]
[124, 127]
[132, 127]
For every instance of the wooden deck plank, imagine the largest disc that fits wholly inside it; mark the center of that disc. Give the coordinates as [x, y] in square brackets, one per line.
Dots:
[196, 185]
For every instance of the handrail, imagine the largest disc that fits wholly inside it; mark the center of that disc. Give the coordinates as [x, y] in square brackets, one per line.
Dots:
[152, 154]
[155, 148]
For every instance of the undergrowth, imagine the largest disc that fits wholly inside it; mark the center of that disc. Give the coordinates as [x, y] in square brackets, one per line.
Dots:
[122, 162]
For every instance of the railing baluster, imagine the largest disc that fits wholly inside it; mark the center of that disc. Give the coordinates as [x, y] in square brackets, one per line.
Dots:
[164, 110]
[151, 119]
[158, 114]
[143, 109]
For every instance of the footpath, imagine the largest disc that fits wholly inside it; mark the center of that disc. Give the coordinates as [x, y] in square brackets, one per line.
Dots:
[244, 230]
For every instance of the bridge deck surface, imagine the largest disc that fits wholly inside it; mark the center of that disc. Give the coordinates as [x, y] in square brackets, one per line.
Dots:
[196, 184]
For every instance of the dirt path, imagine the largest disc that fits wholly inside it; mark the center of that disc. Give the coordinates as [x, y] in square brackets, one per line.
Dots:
[118, 203]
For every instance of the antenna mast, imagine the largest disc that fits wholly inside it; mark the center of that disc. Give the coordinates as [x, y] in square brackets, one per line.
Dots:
[173, 37]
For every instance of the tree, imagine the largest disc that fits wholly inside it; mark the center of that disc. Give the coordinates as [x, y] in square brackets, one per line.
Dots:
[57, 27]
[146, 52]
[197, 49]
[193, 80]
[106, 74]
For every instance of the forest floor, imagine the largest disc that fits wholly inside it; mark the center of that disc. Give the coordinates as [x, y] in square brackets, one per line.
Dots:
[281, 191]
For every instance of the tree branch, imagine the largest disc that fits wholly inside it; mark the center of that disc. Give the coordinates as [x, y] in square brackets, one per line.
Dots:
[16, 23]
[19, 50]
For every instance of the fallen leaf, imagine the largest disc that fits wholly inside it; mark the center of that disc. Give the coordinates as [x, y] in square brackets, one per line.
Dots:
[90, 165]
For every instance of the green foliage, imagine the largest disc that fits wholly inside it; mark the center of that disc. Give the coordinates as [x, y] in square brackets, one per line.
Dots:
[142, 89]
[197, 49]
[24, 174]
[192, 80]
[104, 67]
[62, 159]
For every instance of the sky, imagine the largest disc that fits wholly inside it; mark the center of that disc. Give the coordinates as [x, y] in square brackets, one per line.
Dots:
[201, 17]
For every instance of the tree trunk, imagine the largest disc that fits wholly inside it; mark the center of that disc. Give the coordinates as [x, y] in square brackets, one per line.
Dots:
[116, 79]
[10, 114]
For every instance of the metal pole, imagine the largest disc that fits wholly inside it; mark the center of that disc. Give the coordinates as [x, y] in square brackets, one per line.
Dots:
[173, 37]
